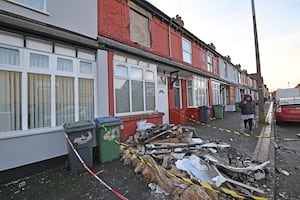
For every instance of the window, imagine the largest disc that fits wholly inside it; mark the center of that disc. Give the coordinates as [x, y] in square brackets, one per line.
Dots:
[134, 89]
[9, 56]
[137, 89]
[190, 92]
[86, 99]
[56, 92]
[216, 95]
[225, 70]
[64, 65]
[210, 63]
[39, 5]
[197, 92]
[139, 28]
[177, 94]
[65, 110]
[86, 68]
[39, 101]
[10, 101]
[39, 61]
[186, 51]
[150, 90]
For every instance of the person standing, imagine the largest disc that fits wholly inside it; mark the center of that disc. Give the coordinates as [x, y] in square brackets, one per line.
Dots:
[247, 110]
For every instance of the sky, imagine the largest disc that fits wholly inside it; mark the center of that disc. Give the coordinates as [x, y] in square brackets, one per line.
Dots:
[228, 25]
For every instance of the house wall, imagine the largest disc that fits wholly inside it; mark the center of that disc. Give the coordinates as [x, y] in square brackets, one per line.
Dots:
[31, 146]
[26, 146]
[160, 38]
[61, 13]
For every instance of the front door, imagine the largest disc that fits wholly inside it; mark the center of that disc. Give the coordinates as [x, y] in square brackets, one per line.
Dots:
[163, 104]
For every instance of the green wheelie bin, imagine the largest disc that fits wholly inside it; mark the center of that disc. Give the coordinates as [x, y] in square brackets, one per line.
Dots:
[108, 136]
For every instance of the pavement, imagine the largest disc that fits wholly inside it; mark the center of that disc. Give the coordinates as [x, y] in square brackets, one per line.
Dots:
[60, 183]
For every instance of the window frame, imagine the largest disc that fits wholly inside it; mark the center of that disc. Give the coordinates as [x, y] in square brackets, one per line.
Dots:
[130, 79]
[25, 69]
[180, 93]
[225, 69]
[216, 95]
[187, 51]
[199, 92]
[210, 62]
[44, 10]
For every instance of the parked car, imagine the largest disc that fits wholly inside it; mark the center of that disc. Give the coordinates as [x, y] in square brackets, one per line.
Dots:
[287, 109]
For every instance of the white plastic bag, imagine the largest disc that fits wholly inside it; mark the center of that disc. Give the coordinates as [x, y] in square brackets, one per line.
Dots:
[143, 125]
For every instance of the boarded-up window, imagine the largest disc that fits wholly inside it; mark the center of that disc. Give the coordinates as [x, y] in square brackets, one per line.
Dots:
[139, 28]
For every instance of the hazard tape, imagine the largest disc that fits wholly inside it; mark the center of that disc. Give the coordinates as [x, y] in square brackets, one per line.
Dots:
[234, 132]
[191, 181]
[90, 171]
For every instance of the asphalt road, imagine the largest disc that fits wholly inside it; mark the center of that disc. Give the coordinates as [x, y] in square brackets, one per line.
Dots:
[287, 158]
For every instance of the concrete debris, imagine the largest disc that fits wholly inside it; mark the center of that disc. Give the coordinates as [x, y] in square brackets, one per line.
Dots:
[170, 155]
[251, 167]
[156, 188]
[284, 172]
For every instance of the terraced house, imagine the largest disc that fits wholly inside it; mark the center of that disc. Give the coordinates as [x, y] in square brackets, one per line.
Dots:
[121, 58]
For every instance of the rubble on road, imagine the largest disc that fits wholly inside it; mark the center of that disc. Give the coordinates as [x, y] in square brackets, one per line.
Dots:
[190, 168]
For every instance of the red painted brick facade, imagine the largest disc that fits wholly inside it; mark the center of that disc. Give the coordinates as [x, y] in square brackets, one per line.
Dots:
[160, 40]
[113, 19]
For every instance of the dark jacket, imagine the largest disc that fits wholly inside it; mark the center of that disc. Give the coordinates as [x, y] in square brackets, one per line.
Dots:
[249, 107]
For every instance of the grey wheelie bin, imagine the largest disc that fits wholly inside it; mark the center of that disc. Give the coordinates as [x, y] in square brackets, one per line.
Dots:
[81, 135]
[204, 114]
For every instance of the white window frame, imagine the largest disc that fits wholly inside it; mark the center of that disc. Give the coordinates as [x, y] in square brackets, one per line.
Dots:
[131, 63]
[199, 93]
[225, 69]
[189, 87]
[180, 93]
[26, 5]
[25, 69]
[187, 51]
[210, 62]
[216, 95]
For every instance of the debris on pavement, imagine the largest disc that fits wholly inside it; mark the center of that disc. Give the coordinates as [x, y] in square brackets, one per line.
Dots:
[284, 172]
[191, 168]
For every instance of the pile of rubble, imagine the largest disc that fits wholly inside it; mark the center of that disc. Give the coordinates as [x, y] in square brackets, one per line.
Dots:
[190, 168]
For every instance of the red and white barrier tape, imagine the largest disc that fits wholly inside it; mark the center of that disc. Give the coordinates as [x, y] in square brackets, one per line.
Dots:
[90, 171]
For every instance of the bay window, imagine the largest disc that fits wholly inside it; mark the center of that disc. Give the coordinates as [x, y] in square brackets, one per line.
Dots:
[55, 90]
[134, 87]
[197, 91]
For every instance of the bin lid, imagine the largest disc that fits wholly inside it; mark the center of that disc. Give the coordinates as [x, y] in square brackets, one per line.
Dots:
[78, 126]
[203, 107]
[105, 120]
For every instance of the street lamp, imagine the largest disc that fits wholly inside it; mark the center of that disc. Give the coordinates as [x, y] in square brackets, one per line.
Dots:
[258, 70]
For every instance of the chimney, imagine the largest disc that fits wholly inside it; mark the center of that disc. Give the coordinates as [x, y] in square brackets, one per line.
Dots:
[238, 66]
[178, 20]
[228, 58]
[212, 46]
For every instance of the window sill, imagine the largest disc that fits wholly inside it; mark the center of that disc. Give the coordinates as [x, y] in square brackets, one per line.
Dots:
[29, 132]
[141, 116]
